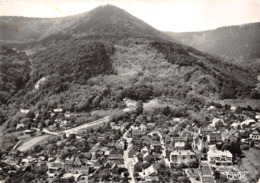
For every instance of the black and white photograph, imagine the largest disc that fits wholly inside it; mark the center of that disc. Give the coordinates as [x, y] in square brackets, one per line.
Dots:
[129, 91]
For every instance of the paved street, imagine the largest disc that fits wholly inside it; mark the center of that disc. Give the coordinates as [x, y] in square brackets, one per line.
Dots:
[128, 161]
[163, 149]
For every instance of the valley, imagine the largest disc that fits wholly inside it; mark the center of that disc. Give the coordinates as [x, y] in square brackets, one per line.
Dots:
[104, 97]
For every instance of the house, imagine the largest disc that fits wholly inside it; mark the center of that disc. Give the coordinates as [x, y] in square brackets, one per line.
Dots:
[155, 145]
[59, 110]
[219, 158]
[179, 145]
[233, 108]
[167, 138]
[128, 134]
[87, 155]
[116, 156]
[214, 137]
[189, 128]
[147, 157]
[131, 151]
[114, 168]
[255, 135]
[231, 135]
[75, 166]
[216, 122]
[183, 156]
[54, 169]
[19, 126]
[120, 144]
[195, 127]
[205, 131]
[138, 130]
[200, 143]
[179, 139]
[247, 122]
[151, 174]
[176, 129]
[95, 164]
[150, 126]
[24, 111]
[137, 164]
[146, 140]
[67, 115]
[145, 149]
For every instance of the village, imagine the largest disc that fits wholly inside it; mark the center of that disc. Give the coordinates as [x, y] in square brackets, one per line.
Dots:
[118, 150]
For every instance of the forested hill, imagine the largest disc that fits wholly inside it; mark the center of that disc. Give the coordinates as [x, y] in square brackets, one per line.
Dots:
[241, 41]
[108, 55]
[102, 21]
[14, 72]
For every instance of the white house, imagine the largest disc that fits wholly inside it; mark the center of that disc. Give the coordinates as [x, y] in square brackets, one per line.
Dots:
[151, 174]
[179, 145]
[255, 135]
[184, 156]
[219, 158]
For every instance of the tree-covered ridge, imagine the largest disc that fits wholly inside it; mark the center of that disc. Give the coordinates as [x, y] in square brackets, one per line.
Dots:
[14, 72]
[66, 65]
[73, 60]
[208, 73]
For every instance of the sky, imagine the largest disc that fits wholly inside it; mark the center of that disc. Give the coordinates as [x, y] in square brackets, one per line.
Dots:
[164, 15]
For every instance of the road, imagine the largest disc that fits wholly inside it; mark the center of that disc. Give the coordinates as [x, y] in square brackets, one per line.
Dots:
[88, 125]
[163, 149]
[27, 145]
[128, 161]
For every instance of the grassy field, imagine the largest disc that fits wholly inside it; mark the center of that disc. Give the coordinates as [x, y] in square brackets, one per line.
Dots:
[251, 165]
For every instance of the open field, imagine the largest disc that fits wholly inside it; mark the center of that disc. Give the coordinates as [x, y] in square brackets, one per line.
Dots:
[27, 145]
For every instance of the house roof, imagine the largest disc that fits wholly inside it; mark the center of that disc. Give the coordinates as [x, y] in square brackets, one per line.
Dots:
[115, 156]
[182, 152]
[58, 110]
[96, 163]
[256, 130]
[145, 148]
[155, 143]
[150, 170]
[206, 129]
[179, 144]
[248, 122]
[179, 138]
[135, 160]
[217, 153]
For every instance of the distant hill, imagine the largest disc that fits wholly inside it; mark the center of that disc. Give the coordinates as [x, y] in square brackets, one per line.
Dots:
[240, 42]
[102, 21]
[98, 58]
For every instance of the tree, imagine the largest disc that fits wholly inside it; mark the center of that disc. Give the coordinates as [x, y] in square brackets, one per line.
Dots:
[216, 174]
[126, 174]
[139, 107]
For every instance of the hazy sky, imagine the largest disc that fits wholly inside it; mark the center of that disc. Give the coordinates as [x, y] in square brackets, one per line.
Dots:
[165, 15]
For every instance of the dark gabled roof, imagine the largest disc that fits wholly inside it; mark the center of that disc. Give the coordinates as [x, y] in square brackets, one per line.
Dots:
[256, 129]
